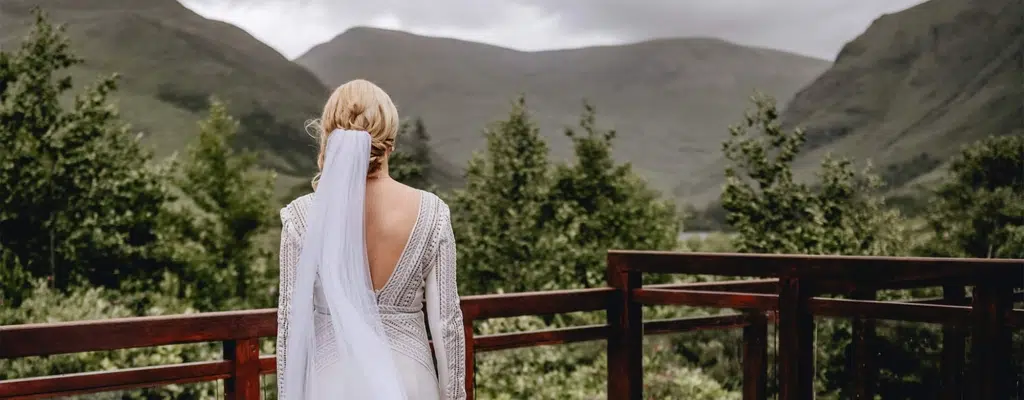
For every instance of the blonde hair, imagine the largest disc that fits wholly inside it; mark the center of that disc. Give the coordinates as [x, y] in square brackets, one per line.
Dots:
[359, 105]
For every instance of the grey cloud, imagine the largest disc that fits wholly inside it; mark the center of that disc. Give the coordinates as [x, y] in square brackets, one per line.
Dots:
[813, 27]
[432, 13]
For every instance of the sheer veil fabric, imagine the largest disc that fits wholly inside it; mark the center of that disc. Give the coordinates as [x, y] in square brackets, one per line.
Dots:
[334, 251]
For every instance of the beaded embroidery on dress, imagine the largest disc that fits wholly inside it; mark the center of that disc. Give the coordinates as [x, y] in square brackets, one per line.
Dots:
[425, 273]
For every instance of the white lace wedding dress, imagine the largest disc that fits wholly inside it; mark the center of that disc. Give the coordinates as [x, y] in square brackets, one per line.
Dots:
[425, 269]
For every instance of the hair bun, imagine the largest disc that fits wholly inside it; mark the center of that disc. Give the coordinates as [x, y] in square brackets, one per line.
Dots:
[359, 105]
[378, 151]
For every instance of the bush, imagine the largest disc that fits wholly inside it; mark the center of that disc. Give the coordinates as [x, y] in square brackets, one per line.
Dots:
[48, 305]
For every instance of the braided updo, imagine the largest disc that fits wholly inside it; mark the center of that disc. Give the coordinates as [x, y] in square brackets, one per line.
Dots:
[359, 105]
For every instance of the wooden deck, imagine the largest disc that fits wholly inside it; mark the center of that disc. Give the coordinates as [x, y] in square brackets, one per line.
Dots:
[787, 293]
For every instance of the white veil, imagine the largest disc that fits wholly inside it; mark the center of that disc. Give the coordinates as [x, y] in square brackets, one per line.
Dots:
[334, 251]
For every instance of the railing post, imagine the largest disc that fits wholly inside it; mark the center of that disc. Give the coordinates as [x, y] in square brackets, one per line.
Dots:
[244, 383]
[467, 326]
[755, 356]
[863, 338]
[991, 343]
[953, 338]
[625, 336]
[796, 341]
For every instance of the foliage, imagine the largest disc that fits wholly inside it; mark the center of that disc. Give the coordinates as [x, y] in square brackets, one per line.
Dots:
[598, 205]
[579, 371]
[79, 196]
[84, 202]
[978, 211]
[665, 379]
[226, 218]
[773, 213]
[710, 243]
[843, 213]
[83, 303]
[506, 242]
[524, 223]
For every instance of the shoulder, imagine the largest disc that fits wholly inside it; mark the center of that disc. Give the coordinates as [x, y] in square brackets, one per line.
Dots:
[294, 214]
[441, 217]
[437, 204]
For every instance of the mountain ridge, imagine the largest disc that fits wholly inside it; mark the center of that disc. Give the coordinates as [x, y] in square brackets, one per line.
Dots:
[643, 89]
[361, 29]
[170, 60]
[911, 90]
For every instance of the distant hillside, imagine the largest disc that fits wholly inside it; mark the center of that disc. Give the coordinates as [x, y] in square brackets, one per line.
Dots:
[171, 59]
[914, 88]
[671, 100]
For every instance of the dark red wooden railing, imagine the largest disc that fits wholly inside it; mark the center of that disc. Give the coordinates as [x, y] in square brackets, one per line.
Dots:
[787, 295]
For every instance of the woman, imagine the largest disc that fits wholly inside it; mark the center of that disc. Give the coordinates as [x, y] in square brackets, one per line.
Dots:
[358, 256]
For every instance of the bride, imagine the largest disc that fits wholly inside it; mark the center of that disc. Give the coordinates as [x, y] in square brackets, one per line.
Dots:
[358, 257]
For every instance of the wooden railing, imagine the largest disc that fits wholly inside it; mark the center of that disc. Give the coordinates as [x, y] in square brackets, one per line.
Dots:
[786, 296]
[801, 279]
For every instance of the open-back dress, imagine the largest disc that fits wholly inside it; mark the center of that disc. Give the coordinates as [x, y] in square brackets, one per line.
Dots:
[425, 271]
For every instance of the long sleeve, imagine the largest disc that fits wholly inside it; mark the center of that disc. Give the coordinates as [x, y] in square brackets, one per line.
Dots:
[445, 315]
[289, 257]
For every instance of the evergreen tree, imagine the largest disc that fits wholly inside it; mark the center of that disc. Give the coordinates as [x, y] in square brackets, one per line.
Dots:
[842, 213]
[229, 214]
[773, 213]
[499, 220]
[79, 199]
[979, 209]
[601, 205]
[523, 223]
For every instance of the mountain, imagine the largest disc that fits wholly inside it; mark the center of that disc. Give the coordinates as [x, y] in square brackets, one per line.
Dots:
[170, 60]
[914, 88]
[671, 100]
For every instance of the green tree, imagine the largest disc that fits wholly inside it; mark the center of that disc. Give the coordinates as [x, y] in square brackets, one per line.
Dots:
[79, 198]
[600, 205]
[524, 223]
[773, 213]
[978, 211]
[228, 214]
[503, 233]
[842, 213]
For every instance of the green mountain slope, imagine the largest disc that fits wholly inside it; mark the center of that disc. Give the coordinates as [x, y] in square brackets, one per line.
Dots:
[171, 59]
[914, 88]
[671, 100]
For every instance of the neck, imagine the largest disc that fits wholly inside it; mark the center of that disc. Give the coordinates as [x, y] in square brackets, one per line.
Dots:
[381, 174]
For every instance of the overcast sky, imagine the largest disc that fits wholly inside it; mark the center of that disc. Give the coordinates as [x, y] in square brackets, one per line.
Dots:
[816, 28]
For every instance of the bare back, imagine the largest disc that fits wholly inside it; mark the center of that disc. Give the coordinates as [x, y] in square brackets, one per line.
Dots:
[392, 210]
[411, 250]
